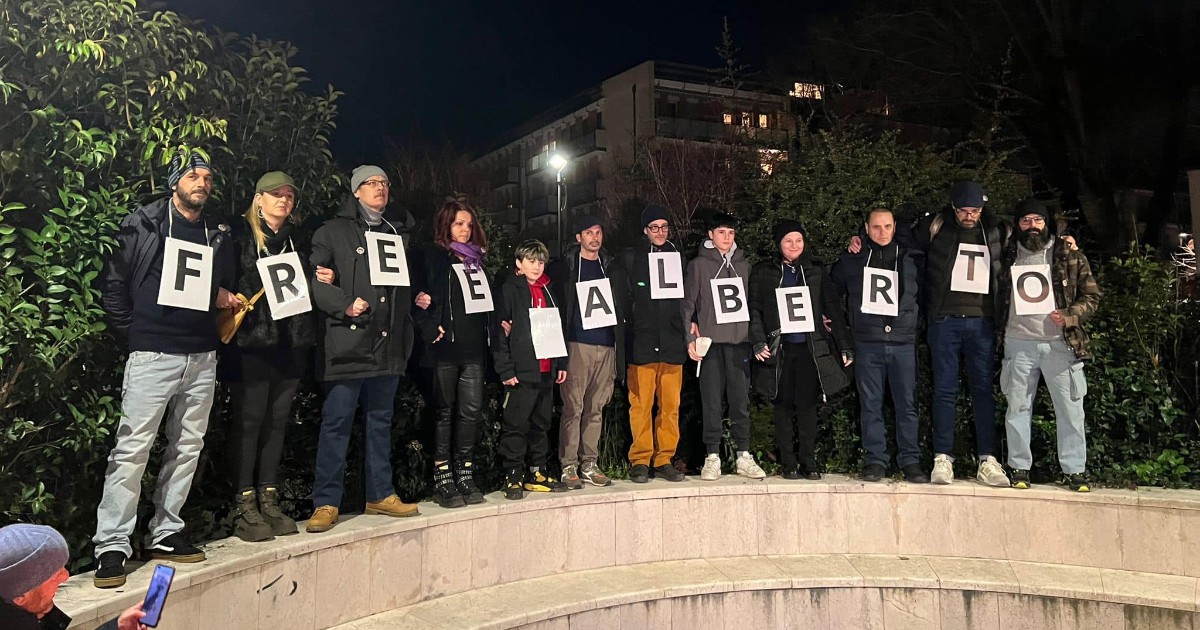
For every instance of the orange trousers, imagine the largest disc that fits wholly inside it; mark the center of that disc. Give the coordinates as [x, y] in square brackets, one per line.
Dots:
[645, 382]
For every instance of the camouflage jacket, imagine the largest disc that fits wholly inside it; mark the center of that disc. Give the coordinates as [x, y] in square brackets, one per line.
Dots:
[1076, 293]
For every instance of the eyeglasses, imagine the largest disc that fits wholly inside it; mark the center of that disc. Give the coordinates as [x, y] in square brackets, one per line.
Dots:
[969, 212]
[376, 183]
[1032, 220]
[658, 229]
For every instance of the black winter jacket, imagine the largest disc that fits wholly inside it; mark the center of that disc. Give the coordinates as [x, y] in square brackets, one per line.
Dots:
[14, 618]
[258, 330]
[563, 273]
[848, 275]
[513, 354]
[997, 233]
[379, 341]
[654, 331]
[827, 349]
[138, 243]
[446, 303]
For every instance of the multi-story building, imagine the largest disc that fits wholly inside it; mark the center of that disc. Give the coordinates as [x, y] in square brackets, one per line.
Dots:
[598, 129]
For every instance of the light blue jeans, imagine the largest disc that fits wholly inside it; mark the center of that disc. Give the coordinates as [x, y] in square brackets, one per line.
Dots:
[155, 383]
[1025, 362]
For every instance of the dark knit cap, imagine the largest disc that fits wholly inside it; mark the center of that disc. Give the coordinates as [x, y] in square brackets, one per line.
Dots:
[652, 213]
[785, 227]
[29, 555]
[587, 222]
[967, 195]
[723, 220]
[1030, 206]
[181, 164]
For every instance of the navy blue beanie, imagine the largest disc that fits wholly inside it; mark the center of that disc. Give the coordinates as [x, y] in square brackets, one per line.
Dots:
[652, 213]
[180, 165]
[967, 195]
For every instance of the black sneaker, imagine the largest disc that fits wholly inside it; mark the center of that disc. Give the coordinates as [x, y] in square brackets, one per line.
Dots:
[1020, 479]
[1077, 482]
[512, 485]
[640, 473]
[539, 482]
[791, 472]
[669, 472]
[873, 472]
[913, 473]
[176, 549]
[111, 572]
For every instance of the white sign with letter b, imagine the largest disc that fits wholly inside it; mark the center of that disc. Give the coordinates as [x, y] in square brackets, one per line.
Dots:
[729, 300]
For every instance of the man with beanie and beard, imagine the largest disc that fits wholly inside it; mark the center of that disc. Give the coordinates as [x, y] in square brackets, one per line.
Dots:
[33, 562]
[716, 306]
[1053, 292]
[171, 272]
[368, 336]
[656, 348]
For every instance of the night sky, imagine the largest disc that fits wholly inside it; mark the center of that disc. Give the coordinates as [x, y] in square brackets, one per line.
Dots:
[467, 71]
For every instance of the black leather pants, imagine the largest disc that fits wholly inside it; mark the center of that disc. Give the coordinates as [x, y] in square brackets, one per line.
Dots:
[462, 384]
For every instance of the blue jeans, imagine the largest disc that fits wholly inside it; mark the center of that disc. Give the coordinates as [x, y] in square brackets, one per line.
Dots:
[1025, 362]
[377, 395]
[155, 383]
[972, 338]
[876, 365]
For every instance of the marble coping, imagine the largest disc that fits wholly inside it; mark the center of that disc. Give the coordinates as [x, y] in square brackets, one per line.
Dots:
[377, 563]
[859, 590]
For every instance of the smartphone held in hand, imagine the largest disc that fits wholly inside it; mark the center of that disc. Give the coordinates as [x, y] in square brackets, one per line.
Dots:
[156, 595]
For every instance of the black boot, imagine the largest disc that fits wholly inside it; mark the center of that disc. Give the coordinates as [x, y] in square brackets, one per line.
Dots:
[465, 471]
[268, 503]
[513, 484]
[249, 524]
[444, 490]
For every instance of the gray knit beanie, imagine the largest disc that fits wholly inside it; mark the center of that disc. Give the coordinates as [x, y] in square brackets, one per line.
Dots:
[29, 555]
[364, 172]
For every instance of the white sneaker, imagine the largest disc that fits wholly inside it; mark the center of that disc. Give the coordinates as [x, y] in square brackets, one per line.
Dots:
[992, 473]
[712, 468]
[747, 467]
[943, 470]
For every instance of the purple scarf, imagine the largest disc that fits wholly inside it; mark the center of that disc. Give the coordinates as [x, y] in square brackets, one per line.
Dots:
[471, 254]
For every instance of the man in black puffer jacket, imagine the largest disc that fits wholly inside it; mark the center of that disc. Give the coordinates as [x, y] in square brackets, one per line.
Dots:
[656, 347]
[885, 344]
[368, 336]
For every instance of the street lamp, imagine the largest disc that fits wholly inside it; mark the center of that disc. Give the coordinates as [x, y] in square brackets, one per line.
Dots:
[558, 162]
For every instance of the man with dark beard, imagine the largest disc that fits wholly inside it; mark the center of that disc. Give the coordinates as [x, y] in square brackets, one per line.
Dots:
[1047, 292]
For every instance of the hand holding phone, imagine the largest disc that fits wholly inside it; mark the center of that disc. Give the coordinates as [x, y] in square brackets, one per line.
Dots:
[156, 595]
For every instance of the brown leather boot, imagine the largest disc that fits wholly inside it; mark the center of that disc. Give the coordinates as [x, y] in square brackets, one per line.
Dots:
[322, 520]
[392, 506]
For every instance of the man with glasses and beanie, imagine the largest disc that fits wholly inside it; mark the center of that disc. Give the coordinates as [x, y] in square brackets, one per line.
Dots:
[368, 336]
[1047, 293]
[964, 247]
[656, 347]
[171, 272]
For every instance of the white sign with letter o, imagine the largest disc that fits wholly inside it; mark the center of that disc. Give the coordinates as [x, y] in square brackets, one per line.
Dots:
[881, 292]
[666, 276]
[795, 310]
[596, 306]
[729, 300]
[187, 275]
[386, 260]
[972, 271]
[1033, 292]
[477, 294]
[285, 286]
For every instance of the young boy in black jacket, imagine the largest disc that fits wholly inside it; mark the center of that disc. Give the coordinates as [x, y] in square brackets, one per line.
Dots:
[528, 381]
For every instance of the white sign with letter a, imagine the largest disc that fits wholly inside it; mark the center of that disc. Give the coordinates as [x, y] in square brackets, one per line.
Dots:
[386, 260]
[972, 271]
[286, 287]
[729, 300]
[666, 276]
[1032, 292]
[881, 292]
[795, 310]
[187, 276]
[596, 306]
[477, 294]
[545, 325]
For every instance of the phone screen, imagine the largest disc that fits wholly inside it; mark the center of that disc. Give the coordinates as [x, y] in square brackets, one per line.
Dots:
[156, 596]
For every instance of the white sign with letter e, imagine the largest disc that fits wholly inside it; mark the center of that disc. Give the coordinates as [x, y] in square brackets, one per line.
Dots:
[545, 325]
[972, 271]
[187, 276]
[386, 260]
[596, 306]
[795, 310]
[729, 300]
[881, 292]
[666, 276]
[286, 287]
[1032, 293]
[477, 294]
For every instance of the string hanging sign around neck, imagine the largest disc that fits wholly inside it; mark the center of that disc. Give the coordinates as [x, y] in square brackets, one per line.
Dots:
[881, 289]
[187, 271]
[285, 284]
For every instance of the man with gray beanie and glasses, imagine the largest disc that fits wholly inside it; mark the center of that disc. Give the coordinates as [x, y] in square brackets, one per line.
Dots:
[33, 561]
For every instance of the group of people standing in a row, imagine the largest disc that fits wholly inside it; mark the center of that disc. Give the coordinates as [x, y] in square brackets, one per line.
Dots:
[360, 295]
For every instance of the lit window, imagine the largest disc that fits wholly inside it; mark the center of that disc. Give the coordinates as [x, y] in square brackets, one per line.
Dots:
[746, 119]
[762, 121]
[808, 90]
[728, 118]
[768, 158]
